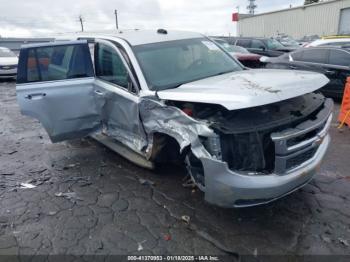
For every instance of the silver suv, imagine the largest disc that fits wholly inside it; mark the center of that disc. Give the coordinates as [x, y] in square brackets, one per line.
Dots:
[248, 137]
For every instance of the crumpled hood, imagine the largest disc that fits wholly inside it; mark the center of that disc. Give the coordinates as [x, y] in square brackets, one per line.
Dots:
[248, 88]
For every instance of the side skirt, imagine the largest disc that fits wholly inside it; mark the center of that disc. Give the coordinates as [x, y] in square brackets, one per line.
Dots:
[124, 151]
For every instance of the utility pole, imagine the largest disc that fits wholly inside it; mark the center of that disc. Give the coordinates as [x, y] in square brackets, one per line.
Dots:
[251, 7]
[116, 18]
[81, 23]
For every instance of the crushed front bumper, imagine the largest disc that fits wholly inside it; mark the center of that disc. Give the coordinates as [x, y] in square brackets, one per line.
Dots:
[227, 188]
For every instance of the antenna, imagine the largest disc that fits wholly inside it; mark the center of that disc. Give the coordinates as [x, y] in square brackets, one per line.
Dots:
[251, 7]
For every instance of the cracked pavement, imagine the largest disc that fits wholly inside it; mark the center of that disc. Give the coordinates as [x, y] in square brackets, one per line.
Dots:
[90, 201]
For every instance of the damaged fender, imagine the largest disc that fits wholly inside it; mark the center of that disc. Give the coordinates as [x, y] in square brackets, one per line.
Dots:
[160, 118]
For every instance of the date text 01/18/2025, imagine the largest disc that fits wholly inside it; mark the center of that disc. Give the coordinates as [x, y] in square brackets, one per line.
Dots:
[173, 258]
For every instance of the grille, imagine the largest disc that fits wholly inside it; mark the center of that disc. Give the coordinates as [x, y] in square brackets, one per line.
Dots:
[297, 145]
[299, 139]
[301, 158]
[8, 67]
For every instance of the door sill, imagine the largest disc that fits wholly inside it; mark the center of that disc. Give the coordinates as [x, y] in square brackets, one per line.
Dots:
[124, 151]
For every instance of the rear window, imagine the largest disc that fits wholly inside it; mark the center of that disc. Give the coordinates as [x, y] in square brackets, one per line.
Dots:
[54, 63]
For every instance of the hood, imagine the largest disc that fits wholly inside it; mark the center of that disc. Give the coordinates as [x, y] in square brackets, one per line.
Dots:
[8, 61]
[249, 88]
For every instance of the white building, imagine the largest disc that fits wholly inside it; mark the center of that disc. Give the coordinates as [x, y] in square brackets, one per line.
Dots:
[326, 18]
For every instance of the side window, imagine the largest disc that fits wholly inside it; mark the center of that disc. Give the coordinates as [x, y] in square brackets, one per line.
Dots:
[110, 67]
[257, 44]
[51, 63]
[244, 43]
[340, 58]
[315, 56]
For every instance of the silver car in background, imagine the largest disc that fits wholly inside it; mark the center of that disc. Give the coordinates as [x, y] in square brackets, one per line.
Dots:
[8, 63]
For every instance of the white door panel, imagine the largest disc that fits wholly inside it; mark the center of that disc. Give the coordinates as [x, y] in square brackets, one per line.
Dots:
[64, 103]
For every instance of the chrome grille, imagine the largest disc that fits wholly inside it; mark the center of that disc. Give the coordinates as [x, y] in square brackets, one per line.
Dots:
[8, 67]
[297, 145]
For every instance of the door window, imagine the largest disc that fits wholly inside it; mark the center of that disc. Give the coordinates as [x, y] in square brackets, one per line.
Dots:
[315, 56]
[340, 58]
[257, 44]
[51, 63]
[110, 67]
[244, 43]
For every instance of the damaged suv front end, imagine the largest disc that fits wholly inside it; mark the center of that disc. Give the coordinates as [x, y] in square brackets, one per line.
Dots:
[256, 163]
[248, 137]
[258, 154]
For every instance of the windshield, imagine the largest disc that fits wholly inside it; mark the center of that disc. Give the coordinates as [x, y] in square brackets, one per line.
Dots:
[273, 44]
[289, 41]
[4, 52]
[171, 64]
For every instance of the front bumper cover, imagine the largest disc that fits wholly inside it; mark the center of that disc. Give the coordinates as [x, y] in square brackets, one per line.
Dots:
[226, 188]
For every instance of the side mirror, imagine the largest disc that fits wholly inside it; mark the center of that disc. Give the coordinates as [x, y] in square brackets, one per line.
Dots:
[262, 48]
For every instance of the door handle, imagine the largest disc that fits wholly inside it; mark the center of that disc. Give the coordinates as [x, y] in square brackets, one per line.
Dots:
[292, 67]
[37, 95]
[98, 92]
[330, 72]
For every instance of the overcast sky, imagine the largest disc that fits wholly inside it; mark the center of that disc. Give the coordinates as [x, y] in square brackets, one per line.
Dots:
[47, 17]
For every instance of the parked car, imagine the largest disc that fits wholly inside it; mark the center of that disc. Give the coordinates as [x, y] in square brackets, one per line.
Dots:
[307, 39]
[8, 63]
[247, 58]
[287, 41]
[334, 62]
[263, 46]
[329, 42]
[248, 137]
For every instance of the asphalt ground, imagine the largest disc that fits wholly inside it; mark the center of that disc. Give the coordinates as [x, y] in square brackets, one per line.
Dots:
[90, 203]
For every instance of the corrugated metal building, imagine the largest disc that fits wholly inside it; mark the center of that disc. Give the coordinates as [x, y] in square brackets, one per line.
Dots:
[325, 18]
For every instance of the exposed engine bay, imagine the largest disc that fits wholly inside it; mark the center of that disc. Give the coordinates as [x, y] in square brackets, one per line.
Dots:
[245, 135]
